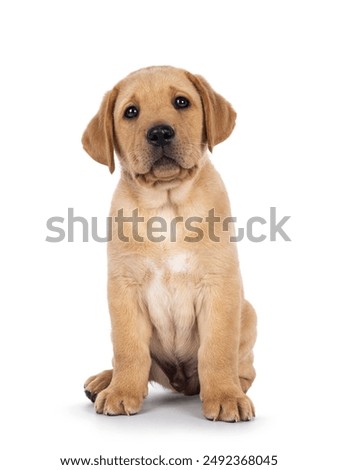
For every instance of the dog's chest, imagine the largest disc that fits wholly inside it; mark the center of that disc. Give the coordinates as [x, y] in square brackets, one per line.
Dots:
[169, 296]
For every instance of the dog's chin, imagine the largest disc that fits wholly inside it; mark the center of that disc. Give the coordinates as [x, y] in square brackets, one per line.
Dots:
[165, 169]
[166, 172]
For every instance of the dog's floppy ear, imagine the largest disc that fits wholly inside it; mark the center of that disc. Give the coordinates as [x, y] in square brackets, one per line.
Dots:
[98, 139]
[219, 116]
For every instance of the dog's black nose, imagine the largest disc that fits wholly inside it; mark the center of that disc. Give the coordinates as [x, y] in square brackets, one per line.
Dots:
[160, 135]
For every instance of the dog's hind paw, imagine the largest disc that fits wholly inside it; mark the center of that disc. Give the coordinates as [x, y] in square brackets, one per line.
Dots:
[96, 383]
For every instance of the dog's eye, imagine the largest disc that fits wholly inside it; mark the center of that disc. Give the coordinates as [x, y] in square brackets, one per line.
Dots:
[131, 112]
[181, 102]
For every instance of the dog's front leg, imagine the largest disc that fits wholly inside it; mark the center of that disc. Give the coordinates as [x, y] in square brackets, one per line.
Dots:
[131, 331]
[219, 330]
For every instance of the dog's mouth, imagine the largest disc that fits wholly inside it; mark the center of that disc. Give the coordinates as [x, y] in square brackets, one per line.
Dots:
[165, 167]
[166, 170]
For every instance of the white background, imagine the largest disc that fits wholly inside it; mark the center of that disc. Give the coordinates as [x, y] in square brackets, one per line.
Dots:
[276, 62]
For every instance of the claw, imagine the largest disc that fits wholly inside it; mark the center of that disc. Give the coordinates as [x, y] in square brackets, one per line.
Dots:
[90, 395]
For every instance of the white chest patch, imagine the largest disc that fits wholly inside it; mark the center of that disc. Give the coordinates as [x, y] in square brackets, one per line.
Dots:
[178, 263]
[170, 301]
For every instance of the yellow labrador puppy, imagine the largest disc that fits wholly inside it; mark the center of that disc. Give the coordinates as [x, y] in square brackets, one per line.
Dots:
[175, 293]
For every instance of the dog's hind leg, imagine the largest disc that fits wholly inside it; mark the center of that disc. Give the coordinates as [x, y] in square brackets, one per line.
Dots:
[96, 383]
[246, 369]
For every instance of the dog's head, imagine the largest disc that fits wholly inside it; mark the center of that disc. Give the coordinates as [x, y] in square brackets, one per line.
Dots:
[159, 121]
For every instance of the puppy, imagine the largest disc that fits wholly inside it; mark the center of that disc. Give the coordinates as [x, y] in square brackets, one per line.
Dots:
[178, 314]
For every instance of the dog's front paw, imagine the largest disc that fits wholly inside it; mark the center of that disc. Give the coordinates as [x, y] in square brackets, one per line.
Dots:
[113, 401]
[229, 407]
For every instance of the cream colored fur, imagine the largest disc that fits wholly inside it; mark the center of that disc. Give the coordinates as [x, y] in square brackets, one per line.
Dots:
[177, 308]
